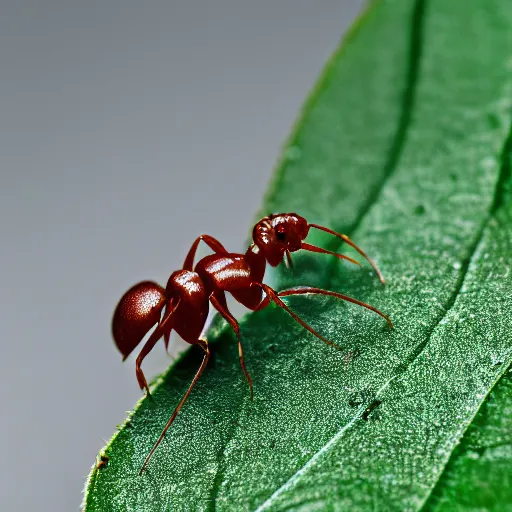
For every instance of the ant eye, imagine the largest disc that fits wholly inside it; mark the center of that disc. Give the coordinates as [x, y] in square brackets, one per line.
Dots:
[281, 233]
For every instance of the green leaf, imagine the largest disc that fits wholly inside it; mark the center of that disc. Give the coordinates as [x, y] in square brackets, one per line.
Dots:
[405, 145]
[479, 474]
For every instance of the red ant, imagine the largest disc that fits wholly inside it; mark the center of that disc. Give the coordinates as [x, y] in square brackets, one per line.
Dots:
[188, 293]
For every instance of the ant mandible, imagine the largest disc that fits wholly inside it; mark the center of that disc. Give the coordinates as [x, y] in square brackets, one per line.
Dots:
[185, 299]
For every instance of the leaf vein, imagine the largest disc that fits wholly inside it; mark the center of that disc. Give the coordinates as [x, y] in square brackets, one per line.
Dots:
[400, 138]
[505, 176]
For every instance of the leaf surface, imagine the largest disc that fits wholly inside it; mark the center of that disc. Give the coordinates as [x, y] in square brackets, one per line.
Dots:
[479, 473]
[404, 145]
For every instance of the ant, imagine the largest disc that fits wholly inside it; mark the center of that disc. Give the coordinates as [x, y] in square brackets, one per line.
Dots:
[185, 300]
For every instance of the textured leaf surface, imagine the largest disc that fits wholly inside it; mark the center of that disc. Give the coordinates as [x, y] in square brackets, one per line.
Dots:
[405, 145]
[479, 475]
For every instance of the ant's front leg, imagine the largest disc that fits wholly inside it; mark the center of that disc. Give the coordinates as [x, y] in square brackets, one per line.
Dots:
[218, 300]
[306, 290]
[211, 242]
[272, 295]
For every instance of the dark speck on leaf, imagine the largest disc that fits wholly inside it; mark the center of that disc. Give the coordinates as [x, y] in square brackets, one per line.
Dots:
[419, 210]
[102, 462]
[360, 397]
[370, 409]
[352, 355]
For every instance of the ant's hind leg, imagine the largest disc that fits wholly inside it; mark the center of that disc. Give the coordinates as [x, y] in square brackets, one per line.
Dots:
[218, 301]
[204, 345]
[162, 329]
[319, 291]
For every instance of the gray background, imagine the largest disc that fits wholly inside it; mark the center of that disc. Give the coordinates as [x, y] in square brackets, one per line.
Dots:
[127, 128]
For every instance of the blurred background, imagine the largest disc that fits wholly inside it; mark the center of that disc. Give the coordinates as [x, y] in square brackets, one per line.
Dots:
[127, 129]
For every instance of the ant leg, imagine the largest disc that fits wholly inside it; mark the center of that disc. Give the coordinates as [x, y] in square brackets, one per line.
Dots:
[211, 242]
[161, 329]
[346, 239]
[167, 337]
[318, 291]
[272, 295]
[289, 261]
[219, 303]
[263, 304]
[204, 345]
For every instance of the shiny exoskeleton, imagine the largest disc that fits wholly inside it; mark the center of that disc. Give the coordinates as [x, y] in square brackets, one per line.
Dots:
[184, 303]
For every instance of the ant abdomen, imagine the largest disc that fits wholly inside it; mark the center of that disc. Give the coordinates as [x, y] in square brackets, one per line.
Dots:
[138, 310]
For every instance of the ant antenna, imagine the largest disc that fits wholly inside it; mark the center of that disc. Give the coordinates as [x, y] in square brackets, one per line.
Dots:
[346, 239]
[314, 248]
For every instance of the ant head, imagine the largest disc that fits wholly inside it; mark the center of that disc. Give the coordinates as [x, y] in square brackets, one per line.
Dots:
[138, 310]
[279, 234]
